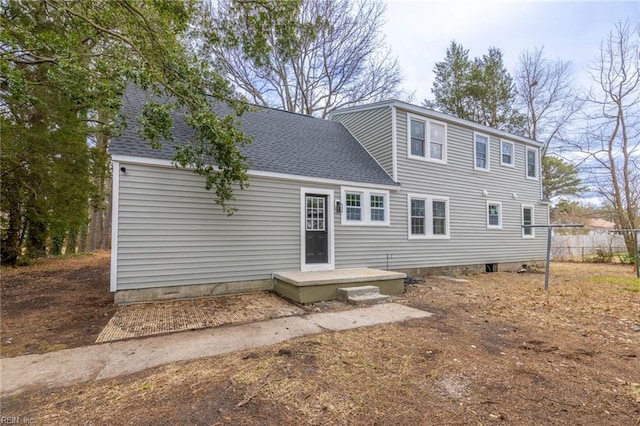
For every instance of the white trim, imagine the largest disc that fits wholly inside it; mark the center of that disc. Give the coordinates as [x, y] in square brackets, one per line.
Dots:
[513, 153]
[394, 144]
[495, 203]
[259, 173]
[330, 232]
[533, 219]
[440, 116]
[526, 162]
[488, 159]
[115, 198]
[365, 201]
[427, 139]
[428, 217]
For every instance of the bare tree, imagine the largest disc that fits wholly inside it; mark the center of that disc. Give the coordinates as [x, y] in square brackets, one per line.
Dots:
[547, 97]
[339, 57]
[612, 139]
[549, 102]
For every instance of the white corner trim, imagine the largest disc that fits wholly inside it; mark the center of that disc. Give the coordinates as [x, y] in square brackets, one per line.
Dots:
[115, 197]
[259, 173]
[330, 224]
[394, 144]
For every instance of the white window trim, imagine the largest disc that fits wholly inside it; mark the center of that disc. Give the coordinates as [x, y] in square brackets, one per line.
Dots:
[428, 220]
[330, 232]
[475, 167]
[427, 139]
[513, 153]
[499, 204]
[526, 163]
[533, 220]
[365, 203]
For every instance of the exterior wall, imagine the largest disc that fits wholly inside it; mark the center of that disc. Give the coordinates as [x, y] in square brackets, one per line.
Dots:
[372, 128]
[470, 242]
[171, 232]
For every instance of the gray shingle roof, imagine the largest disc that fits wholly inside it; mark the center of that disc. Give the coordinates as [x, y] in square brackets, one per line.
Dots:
[282, 142]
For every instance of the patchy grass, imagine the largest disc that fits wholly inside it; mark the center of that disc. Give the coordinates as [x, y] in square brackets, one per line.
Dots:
[498, 349]
[628, 283]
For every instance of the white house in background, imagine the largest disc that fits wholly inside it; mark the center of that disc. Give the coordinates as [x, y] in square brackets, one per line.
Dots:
[389, 185]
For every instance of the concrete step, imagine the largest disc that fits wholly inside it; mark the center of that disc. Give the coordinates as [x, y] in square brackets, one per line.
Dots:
[368, 299]
[367, 294]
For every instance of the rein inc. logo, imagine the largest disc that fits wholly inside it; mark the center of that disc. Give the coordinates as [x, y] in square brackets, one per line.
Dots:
[16, 420]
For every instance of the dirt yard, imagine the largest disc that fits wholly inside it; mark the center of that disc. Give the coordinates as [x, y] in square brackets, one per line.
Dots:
[497, 350]
[55, 304]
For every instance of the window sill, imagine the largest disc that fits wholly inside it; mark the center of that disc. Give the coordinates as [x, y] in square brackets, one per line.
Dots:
[429, 237]
[363, 223]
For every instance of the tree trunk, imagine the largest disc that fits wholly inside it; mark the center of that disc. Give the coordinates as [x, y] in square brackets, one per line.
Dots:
[36, 231]
[10, 245]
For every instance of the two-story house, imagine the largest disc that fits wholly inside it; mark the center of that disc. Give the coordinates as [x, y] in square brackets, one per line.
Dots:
[389, 186]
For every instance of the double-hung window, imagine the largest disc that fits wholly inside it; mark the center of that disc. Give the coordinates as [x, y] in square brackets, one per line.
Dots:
[417, 137]
[377, 203]
[494, 215]
[427, 139]
[428, 216]
[532, 163]
[528, 219]
[506, 153]
[480, 151]
[353, 201]
[364, 207]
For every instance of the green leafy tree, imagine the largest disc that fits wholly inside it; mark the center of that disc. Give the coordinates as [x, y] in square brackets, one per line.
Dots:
[451, 87]
[63, 62]
[561, 178]
[479, 90]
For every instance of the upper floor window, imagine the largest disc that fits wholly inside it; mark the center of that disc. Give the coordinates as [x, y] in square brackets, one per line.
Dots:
[427, 139]
[506, 153]
[481, 151]
[364, 206]
[532, 163]
[428, 216]
[494, 215]
[527, 219]
[417, 138]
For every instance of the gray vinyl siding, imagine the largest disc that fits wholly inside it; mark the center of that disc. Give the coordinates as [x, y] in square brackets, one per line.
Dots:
[171, 232]
[470, 241]
[372, 128]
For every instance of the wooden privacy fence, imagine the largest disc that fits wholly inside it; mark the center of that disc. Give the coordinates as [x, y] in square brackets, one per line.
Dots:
[579, 247]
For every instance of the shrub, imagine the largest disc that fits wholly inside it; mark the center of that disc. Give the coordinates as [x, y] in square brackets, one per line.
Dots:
[627, 258]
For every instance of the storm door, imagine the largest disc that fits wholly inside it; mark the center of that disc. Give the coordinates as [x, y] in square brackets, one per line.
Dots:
[316, 229]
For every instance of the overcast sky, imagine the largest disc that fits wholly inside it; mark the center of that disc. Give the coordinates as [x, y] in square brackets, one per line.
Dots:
[419, 32]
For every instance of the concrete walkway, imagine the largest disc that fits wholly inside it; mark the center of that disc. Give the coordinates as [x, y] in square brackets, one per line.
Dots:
[70, 366]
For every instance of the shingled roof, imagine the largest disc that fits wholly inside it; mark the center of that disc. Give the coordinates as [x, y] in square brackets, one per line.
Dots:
[282, 142]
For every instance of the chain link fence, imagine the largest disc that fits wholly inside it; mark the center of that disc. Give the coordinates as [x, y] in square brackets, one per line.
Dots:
[590, 247]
